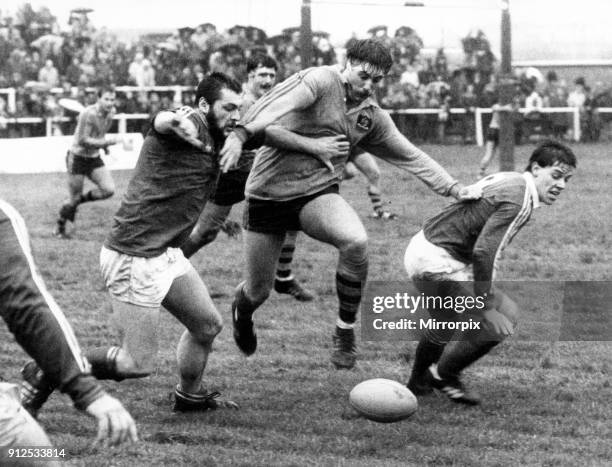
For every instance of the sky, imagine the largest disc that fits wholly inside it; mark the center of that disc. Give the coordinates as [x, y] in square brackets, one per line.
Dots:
[554, 29]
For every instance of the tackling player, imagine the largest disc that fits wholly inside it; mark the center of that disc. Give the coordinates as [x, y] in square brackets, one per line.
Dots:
[289, 190]
[261, 72]
[463, 243]
[40, 327]
[83, 159]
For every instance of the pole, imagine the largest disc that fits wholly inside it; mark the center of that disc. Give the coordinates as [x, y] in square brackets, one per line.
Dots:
[306, 51]
[506, 93]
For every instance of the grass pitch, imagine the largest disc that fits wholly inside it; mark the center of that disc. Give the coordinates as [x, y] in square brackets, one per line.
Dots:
[294, 405]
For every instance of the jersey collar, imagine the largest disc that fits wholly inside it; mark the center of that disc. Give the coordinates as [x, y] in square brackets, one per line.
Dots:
[533, 191]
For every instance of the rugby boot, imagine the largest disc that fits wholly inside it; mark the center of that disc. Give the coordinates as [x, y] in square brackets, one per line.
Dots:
[294, 288]
[345, 350]
[200, 402]
[420, 385]
[244, 333]
[452, 388]
[34, 389]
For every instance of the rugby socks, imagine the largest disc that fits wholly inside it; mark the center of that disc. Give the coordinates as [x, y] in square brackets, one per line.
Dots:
[283, 267]
[376, 200]
[350, 277]
[104, 363]
[461, 355]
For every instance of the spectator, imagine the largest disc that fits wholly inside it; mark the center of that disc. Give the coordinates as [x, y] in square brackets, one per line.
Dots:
[49, 75]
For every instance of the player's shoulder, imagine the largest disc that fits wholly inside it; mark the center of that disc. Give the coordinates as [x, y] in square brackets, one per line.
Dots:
[504, 187]
[326, 74]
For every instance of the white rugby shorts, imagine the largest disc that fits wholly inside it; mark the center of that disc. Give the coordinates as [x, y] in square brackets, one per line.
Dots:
[142, 281]
[422, 256]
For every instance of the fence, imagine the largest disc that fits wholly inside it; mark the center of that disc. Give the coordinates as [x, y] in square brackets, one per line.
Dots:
[177, 97]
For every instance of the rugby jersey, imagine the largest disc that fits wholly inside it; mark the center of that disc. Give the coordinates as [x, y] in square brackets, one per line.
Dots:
[92, 123]
[476, 232]
[169, 188]
[281, 175]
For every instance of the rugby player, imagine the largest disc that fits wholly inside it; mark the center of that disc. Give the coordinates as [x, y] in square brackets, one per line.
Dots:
[261, 72]
[463, 243]
[141, 261]
[290, 190]
[83, 159]
[40, 327]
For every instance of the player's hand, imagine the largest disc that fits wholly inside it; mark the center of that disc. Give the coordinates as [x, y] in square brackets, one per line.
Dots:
[115, 425]
[231, 228]
[467, 193]
[186, 130]
[328, 147]
[498, 322]
[231, 152]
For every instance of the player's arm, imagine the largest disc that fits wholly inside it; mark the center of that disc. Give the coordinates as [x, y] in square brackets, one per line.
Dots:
[178, 123]
[386, 142]
[493, 237]
[323, 149]
[260, 116]
[85, 131]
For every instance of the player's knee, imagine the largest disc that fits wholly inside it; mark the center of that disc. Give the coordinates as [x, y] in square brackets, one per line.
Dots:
[510, 310]
[208, 329]
[259, 295]
[355, 247]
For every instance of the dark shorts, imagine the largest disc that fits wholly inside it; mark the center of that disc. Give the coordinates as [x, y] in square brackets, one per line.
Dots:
[493, 135]
[278, 217]
[230, 188]
[79, 165]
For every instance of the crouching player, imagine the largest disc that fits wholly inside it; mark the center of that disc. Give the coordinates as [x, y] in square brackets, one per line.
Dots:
[462, 243]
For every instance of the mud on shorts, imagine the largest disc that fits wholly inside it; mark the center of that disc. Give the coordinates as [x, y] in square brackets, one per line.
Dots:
[278, 217]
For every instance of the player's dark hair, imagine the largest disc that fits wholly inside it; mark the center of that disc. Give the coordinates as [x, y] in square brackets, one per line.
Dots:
[370, 51]
[211, 86]
[549, 153]
[263, 60]
[106, 88]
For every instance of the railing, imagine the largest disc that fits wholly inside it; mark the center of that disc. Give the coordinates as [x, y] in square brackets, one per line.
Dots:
[478, 120]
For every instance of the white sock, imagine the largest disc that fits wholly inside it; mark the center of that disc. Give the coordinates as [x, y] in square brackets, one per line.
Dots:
[342, 325]
[285, 279]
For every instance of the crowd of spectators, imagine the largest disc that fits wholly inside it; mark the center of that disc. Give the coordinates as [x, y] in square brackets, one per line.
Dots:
[44, 63]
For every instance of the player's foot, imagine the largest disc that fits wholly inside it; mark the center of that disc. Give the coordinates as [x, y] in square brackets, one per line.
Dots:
[35, 389]
[420, 385]
[385, 215]
[452, 388]
[244, 334]
[345, 350]
[294, 288]
[60, 230]
[200, 402]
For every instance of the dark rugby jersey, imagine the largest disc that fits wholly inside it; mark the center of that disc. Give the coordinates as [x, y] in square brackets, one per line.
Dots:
[34, 317]
[476, 232]
[168, 190]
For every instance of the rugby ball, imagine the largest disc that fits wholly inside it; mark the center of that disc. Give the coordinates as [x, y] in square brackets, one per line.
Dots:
[383, 400]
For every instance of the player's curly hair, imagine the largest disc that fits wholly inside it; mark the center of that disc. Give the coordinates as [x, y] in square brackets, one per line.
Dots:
[550, 152]
[370, 51]
[211, 86]
[261, 59]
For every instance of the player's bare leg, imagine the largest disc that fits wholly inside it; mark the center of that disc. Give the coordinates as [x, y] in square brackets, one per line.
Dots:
[367, 165]
[261, 255]
[105, 186]
[330, 219]
[189, 301]
[285, 282]
[486, 159]
[211, 220]
[67, 212]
